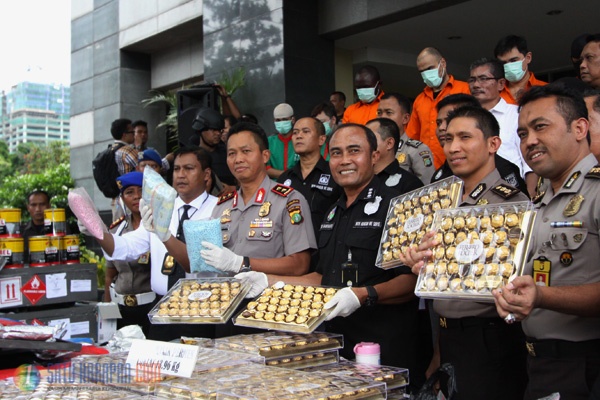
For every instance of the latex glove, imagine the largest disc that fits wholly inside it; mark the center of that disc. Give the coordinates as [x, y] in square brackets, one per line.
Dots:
[345, 303]
[148, 221]
[257, 280]
[221, 258]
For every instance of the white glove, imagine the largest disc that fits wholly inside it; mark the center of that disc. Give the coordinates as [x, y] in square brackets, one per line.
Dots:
[345, 303]
[148, 221]
[221, 258]
[88, 232]
[258, 280]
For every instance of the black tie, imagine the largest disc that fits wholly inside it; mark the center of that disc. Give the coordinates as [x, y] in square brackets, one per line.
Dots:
[179, 272]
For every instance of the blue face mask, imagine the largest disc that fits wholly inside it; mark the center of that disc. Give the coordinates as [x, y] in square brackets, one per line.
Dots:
[327, 126]
[513, 71]
[367, 95]
[432, 77]
[283, 127]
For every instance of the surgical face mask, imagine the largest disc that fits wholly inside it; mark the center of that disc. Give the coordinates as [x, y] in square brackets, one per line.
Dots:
[432, 77]
[513, 71]
[327, 126]
[367, 95]
[283, 127]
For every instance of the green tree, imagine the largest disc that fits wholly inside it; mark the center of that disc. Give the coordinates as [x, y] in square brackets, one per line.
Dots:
[39, 158]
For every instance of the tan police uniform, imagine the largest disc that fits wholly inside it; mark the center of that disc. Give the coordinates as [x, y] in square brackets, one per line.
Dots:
[415, 157]
[564, 350]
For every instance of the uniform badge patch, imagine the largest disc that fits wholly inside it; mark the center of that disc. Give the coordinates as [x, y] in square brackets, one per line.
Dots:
[225, 197]
[296, 215]
[572, 180]
[117, 222]
[282, 190]
[265, 209]
[439, 174]
[566, 258]
[287, 182]
[324, 179]
[331, 214]
[505, 191]
[372, 207]
[594, 172]
[401, 157]
[573, 205]
[477, 191]
[427, 161]
[393, 180]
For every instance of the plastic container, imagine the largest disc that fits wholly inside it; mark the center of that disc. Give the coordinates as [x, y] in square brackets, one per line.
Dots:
[367, 353]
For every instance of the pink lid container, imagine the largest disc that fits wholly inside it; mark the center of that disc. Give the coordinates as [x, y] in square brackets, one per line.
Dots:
[365, 348]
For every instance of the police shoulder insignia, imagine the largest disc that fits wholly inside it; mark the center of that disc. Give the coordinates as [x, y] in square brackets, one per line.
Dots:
[227, 196]
[594, 172]
[413, 143]
[478, 191]
[117, 222]
[536, 199]
[505, 191]
[282, 190]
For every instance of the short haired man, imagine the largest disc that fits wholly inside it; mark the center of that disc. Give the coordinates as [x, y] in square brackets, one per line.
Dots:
[486, 81]
[125, 156]
[368, 86]
[280, 145]
[325, 113]
[512, 51]
[590, 61]
[508, 171]
[140, 135]
[37, 202]
[558, 295]
[472, 139]
[311, 176]
[432, 67]
[592, 101]
[387, 168]
[412, 155]
[338, 99]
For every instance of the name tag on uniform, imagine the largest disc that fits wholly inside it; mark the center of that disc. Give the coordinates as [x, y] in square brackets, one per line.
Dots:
[326, 227]
[144, 258]
[367, 224]
[541, 271]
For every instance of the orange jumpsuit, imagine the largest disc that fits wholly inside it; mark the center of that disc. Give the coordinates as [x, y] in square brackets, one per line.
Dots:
[532, 81]
[361, 113]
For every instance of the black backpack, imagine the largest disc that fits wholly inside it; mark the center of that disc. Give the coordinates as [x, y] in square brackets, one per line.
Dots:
[106, 171]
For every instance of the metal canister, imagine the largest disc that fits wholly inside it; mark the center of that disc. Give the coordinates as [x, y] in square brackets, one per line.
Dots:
[37, 251]
[55, 222]
[10, 222]
[70, 249]
[11, 249]
[53, 250]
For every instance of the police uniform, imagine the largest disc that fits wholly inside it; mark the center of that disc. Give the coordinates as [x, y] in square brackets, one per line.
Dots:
[487, 354]
[355, 232]
[415, 157]
[398, 179]
[564, 350]
[132, 245]
[508, 171]
[130, 289]
[272, 225]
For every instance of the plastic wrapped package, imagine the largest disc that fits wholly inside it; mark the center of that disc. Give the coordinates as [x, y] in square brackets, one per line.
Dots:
[394, 377]
[481, 248]
[195, 233]
[84, 209]
[160, 197]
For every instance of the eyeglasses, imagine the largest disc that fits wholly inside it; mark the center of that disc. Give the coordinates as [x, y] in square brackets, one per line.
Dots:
[481, 79]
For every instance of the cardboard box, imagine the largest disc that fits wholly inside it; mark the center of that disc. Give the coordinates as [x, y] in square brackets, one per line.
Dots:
[56, 284]
[108, 313]
[81, 319]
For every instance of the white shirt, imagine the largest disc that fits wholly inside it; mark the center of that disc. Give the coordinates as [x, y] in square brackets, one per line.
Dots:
[130, 246]
[507, 116]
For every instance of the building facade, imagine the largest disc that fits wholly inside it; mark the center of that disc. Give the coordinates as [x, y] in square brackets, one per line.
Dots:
[35, 113]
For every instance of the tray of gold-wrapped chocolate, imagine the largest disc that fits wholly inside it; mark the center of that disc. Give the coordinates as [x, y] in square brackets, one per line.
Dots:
[289, 308]
[410, 216]
[393, 377]
[480, 248]
[199, 301]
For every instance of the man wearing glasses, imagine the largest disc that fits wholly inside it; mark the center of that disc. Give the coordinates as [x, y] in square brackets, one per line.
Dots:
[126, 156]
[486, 82]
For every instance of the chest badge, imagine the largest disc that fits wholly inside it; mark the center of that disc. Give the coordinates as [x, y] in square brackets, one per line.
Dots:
[566, 258]
[331, 214]
[265, 209]
[372, 207]
[541, 271]
[401, 157]
[573, 205]
[324, 179]
[287, 182]
[393, 180]
[439, 174]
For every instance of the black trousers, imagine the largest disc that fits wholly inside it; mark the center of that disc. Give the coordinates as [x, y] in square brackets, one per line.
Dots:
[137, 315]
[488, 356]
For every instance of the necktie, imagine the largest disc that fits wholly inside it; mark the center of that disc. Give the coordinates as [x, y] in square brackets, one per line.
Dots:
[179, 272]
[185, 216]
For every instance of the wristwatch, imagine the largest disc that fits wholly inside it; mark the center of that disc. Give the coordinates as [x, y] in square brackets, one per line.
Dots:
[372, 296]
[246, 265]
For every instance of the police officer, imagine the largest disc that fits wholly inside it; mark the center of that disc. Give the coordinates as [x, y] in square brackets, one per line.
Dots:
[413, 155]
[485, 352]
[387, 168]
[558, 296]
[128, 283]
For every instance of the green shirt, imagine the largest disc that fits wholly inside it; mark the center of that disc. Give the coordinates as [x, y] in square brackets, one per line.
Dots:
[283, 155]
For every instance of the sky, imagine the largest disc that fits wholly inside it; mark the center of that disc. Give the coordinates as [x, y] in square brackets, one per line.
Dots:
[35, 41]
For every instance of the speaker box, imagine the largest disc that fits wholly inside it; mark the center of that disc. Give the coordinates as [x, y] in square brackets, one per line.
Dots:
[189, 101]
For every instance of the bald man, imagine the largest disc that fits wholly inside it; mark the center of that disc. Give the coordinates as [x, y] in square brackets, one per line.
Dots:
[422, 125]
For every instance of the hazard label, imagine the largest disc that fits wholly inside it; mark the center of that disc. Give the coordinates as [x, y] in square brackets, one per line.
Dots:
[10, 292]
[34, 289]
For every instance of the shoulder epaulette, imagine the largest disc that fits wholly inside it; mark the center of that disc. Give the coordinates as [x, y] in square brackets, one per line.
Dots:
[117, 222]
[505, 191]
[594, 172]
[413, 143]
[227, 196]
[282, 190]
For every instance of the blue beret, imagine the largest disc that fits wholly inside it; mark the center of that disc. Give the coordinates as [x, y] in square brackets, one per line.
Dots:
[150, 155]
[130, 179]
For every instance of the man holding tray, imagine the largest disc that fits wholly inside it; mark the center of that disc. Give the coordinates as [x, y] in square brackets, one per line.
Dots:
[487, 354]
[561, 317]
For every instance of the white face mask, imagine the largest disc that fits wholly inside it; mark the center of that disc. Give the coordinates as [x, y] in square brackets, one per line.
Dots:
[513, 71]
[432, 77]
[367, 95]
